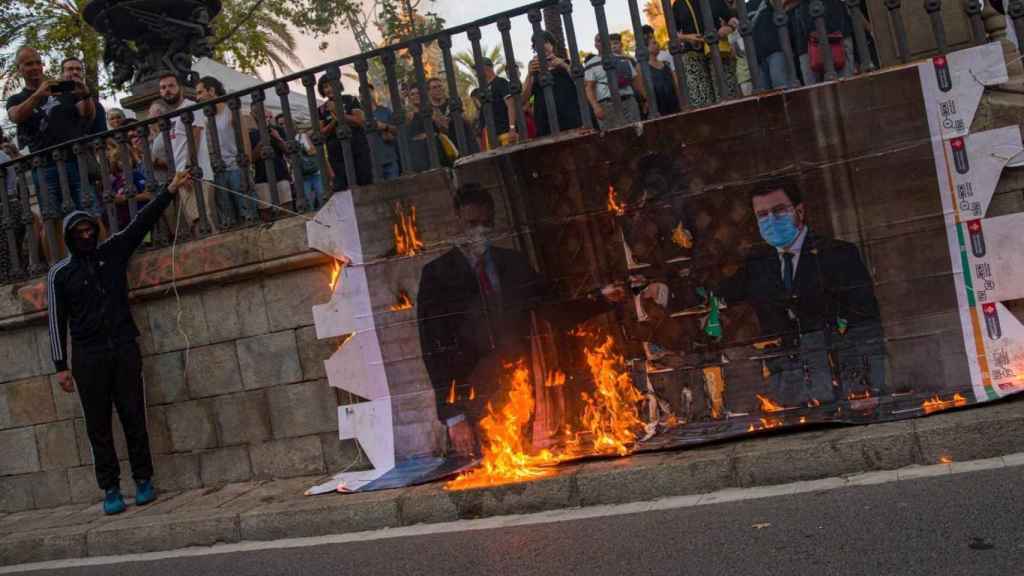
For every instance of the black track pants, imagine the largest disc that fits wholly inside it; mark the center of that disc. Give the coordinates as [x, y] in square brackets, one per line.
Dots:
[106, 379]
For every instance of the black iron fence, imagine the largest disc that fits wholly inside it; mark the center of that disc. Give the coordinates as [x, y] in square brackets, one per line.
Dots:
[103, 164]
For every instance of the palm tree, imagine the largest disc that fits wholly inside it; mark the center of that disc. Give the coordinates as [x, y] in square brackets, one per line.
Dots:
[465, 73]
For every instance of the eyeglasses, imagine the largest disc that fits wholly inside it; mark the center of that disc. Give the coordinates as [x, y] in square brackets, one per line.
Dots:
[777, 210]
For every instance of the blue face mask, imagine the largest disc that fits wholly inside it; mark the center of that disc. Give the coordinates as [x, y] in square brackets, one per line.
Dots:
[778, 230]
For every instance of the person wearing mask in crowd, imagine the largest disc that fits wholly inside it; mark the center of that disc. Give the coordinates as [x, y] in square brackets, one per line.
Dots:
[599, 94]
[701, 86]
[231, 207]
[173, 96]
[88, 298]
[503, 105]
[116, 118]
[48, 113]
[282, 175]
[567, 106]
[384, 141]
[666, 95]
[352, 115]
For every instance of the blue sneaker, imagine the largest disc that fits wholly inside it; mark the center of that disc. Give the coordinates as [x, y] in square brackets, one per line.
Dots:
[113, 502]
[144, 492]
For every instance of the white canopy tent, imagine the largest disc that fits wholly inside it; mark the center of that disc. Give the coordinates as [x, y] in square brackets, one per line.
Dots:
[234, 81]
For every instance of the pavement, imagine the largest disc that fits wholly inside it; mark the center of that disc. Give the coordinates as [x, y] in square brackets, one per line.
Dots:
[268, 511]
[939, 521]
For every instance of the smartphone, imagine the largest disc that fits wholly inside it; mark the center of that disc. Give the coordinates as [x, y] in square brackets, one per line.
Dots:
[63, 87]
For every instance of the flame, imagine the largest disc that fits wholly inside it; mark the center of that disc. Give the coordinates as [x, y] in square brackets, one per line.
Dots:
[613, 202]
[452, 397]
[407, 239]
[472, 393]
[945, 459]
[505, 456]
[402, 302]
[751, 428]
[554, 379]
[768, 423]
[937, 404]
[803, 419]
[335, 273]
[681, 237]
[813, 403]
[610, 414]
[856, 396]
[767, 405]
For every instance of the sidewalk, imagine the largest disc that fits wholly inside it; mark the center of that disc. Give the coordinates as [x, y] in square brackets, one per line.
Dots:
[273, 510]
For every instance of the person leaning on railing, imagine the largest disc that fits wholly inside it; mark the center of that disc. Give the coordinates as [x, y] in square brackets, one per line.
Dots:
[567, 106]
[119, 181]
[352, 114]
[231, 207]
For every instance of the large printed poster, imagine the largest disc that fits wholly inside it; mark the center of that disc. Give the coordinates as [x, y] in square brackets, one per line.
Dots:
[840, 253]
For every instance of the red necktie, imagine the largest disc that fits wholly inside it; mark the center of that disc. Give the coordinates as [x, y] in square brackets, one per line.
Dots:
[484, 279]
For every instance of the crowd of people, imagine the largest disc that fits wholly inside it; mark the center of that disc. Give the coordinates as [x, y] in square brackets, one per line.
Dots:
[49, 112]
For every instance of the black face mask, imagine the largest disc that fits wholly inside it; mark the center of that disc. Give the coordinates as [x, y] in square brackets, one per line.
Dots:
[84, 246]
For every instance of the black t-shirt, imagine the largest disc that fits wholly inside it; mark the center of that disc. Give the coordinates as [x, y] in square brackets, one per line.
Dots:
[500, 89]
[280, 164]
[567, 106]
[360, 145]
[55, 121]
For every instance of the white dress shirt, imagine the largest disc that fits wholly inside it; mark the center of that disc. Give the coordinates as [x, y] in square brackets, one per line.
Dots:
[795, 248]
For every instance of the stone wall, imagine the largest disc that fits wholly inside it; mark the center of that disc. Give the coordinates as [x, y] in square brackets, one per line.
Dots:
[235, 390]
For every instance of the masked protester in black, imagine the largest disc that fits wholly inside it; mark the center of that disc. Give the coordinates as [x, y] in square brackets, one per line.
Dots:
[88, 293]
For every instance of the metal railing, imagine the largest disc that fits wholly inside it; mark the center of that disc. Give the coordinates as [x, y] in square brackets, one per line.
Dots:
[30, 241]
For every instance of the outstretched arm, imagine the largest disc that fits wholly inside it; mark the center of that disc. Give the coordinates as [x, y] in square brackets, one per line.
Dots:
[124, 243]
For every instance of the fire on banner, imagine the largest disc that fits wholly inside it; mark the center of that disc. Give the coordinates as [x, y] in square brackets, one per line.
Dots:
[772, 262]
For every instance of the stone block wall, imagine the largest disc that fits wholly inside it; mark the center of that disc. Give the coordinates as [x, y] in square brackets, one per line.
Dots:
[233, 372]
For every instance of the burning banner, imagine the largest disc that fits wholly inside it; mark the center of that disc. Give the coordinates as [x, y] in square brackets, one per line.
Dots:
[666, 291]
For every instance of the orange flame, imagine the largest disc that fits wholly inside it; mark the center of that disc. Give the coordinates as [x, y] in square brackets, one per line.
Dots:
[937, 404]
[803, 419]
[335, 273]
[403, 302]
[945, 460]
[855, 396]
[768, 423]
[505, 456]
[472, 393]
[813, 403]
[407, 239]
[767, 405]
[554, 379]
[611, 414]
[452, 397]
[613, 202]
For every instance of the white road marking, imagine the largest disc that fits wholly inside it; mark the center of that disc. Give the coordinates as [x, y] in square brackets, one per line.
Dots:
[565, 515]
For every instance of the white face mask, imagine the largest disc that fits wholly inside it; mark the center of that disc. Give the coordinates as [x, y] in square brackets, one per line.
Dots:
[475, 241]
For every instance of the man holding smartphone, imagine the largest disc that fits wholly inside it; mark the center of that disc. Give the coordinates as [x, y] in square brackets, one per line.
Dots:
[48, 113]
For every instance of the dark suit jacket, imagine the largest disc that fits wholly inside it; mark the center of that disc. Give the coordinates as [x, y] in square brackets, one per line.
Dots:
[467, 339]
[831, 282]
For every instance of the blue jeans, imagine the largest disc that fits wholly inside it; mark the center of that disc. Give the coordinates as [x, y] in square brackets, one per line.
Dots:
[50, 181]
[231, 207]
[313, 188]
[390, 170]
[774, 72]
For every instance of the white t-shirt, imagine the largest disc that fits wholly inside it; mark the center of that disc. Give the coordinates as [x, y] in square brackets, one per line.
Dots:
[179, 143]
[594, 72]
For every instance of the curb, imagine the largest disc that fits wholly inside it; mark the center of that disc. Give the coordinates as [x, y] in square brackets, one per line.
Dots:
[988, 431]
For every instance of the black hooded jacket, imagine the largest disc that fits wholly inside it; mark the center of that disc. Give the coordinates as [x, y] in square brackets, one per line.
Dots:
[89, 292]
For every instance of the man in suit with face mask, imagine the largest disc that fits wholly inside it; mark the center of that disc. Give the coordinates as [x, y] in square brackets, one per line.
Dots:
[476, 307]
[814, 296]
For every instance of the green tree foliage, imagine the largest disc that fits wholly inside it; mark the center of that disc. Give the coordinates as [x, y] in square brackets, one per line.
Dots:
[248, 34]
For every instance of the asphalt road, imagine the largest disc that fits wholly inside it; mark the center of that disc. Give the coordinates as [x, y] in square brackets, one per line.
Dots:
[970, 524]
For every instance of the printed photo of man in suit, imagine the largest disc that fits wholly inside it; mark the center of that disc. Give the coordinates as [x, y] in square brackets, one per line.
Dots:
[814, 301]
[478, 306]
